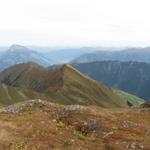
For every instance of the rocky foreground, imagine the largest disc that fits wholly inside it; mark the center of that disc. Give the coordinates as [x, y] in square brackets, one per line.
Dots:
[40, 125]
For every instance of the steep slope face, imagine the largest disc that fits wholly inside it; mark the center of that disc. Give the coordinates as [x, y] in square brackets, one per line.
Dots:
[64, 85]
[132, 77]
[130, 54]
[132, 99]
[83, 90]
[19, 54]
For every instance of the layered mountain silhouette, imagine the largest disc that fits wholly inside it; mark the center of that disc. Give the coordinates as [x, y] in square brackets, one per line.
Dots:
[132, 77]
[129, 54]
[64, 85]
[19, 54]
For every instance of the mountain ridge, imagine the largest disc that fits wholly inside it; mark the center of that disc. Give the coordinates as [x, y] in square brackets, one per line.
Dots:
[64, 85]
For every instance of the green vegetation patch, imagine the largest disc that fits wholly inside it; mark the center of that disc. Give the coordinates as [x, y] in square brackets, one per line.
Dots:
[134, 100]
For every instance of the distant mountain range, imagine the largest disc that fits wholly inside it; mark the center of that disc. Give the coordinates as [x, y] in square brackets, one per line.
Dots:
[42, 55]
[19, 54]
[64, 85]
[106, 72]
[132, 77]
[66, 55]
[130, 54]
[46, 56]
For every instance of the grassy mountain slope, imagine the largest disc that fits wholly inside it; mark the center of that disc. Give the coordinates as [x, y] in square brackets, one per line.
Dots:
[10, 95]
[27, 75]
[134, 100]
[64, 85]
[78, 87]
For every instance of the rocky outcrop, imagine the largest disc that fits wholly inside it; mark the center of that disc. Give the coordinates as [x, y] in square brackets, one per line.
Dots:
[18, 107]
[146, 104]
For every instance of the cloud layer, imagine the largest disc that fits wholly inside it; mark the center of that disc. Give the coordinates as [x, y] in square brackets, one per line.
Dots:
[75, 22]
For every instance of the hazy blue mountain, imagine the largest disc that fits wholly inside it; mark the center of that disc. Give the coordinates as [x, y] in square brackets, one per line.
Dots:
[132, 77]
[130, 54]
[2, 49]
[68, 54]
[65, 55]
[19, 54]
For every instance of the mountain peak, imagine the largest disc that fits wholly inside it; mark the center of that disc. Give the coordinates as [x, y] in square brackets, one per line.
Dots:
[18, 54]
[18, 48]
[69, 71]
[30, 64]
[68, 67]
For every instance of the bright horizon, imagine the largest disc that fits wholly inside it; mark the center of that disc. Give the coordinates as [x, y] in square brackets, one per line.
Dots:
[75, 23]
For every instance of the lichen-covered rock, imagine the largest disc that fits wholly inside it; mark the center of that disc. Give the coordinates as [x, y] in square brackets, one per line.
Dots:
[73, 108]
[15, 108]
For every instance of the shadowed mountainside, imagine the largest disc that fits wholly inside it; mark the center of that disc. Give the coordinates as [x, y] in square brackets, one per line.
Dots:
[132, 77]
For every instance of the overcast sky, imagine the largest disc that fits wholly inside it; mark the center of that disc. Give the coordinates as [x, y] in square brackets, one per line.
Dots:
[75, 22]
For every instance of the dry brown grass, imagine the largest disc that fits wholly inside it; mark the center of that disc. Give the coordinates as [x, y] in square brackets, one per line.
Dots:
[91, 128]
